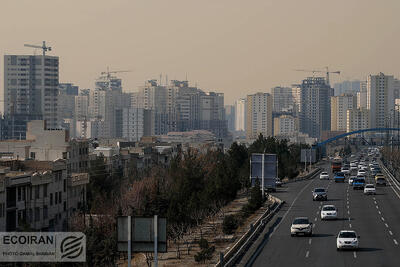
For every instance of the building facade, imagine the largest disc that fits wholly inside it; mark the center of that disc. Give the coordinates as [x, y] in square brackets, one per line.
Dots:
[315, 106]
[240, 114]
[358, 119]
[259, 115]
[284, 125]
[339, 106]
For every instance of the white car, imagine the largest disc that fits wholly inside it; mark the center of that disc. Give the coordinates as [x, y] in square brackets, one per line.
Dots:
[301, 225]
[369, 189]
[361, 172]
[324, 175]
[351, 179]
[346, 170]
[353, 167]
[347, 239]
[328, 212]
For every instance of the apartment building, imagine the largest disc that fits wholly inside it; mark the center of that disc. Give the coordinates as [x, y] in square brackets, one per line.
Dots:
[259, 115]
[358, 119]
[339, 106]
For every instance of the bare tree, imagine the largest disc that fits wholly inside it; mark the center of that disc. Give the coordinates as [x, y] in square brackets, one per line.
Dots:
[149, 258]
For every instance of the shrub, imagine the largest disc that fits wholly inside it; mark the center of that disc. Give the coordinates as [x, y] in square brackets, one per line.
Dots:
[205, 253]
[230, 224]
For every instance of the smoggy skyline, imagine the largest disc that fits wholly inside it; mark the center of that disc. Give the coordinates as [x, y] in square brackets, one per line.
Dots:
[230, 46]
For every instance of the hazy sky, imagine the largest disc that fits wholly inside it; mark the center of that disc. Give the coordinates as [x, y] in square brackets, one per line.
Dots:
[232, 46]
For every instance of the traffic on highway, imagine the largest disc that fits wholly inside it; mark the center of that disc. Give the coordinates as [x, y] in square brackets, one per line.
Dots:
[348, 215]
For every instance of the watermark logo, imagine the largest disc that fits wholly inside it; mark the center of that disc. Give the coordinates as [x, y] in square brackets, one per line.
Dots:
[71, 247]
[42, 247]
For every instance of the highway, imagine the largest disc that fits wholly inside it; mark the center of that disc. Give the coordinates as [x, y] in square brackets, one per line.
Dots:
[375, 218]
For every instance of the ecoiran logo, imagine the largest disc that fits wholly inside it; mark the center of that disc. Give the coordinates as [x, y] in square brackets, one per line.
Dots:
[42, 247]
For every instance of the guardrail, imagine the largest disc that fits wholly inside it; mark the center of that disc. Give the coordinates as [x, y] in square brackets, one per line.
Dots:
[391, 177]
[233, 254]
[305, 177]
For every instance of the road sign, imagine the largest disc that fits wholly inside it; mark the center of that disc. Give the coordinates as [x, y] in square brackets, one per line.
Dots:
[305, 155]
[142, 234]
[270, 169]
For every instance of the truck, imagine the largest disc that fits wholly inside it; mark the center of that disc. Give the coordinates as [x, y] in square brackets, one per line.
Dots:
[336, 165]
[270, 170]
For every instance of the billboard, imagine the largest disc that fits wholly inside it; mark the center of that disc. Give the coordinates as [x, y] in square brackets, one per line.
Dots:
[270, 169]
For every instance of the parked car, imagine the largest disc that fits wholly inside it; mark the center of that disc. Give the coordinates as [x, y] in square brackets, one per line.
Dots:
[301, 225]
[347, 239]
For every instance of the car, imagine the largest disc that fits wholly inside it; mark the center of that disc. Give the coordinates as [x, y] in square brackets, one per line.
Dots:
[369, 189]
[351, 179]
[324, 175]
[319, 194]
[346, 170]
[347, 239]
[328, 212]
[380, 181]
[278, 182]
[361, 172]
[301, 225]
[353, 168]
[339, 177]
[358, 183]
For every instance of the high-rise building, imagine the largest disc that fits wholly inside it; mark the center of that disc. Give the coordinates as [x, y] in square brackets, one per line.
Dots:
[344, 87]
[230, 117]
[133, 123]
[282, 99]
[284, 125]
[357, 119]
[296, 93]
[339, 106]
[240, 114]
[362, 95]
[380, 99]
[30, 91]
[66, 101]
[315, 106]
[259, 115]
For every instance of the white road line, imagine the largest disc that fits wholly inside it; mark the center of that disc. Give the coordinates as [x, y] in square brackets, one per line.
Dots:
[309, 241]
[315, 219]
[307, 254]
[313, 226]
[390, 232]
[348, 212]
[354, 254]
[349, 219]
[348, 207]
[350, 225]
[375, 202]
[379, 212]
[377, 207]
[383, 219]
[291, 205]
[387, 226]
[395, 241]
[373, 198]
[317, 211]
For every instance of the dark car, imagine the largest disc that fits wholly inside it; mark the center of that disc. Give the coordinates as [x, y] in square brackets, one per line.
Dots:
[319, 194]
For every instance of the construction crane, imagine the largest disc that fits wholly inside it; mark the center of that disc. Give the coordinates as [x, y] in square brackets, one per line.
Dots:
[327, 72]
[108, 72]
[43, 47]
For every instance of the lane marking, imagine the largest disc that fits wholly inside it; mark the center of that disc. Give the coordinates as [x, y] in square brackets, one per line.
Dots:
[307, 254]
[379, 212]
[395, 241]
[348, 212]
[377, 207]
[354, 254]
[390, 232]
[309, 241]
[373, 198]
[349, 219]
[387, 226]
[291, 205]
[350, 225]
[383, 219]
[315, 219]
[317, 211]
[313, 226]
[375, 202]
[348, 207]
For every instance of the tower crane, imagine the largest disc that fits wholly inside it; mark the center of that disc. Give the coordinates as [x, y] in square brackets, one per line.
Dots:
[327, 72]
[43, 47]
[108, 72]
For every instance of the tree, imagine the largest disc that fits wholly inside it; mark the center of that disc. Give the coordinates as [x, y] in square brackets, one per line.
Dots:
[205, 252]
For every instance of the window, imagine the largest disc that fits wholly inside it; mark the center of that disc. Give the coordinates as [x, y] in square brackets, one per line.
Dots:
[65, 206]
[59, 197]
[19, 193]
[37, 214]
[65, 185]
[37, 190]
[51, 199]
[1, 210]
[56, 198]
[45, 190]
[45, 212]
[33, 155]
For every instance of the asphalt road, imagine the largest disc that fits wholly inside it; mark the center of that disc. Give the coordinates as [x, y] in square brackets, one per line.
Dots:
[375, 218]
